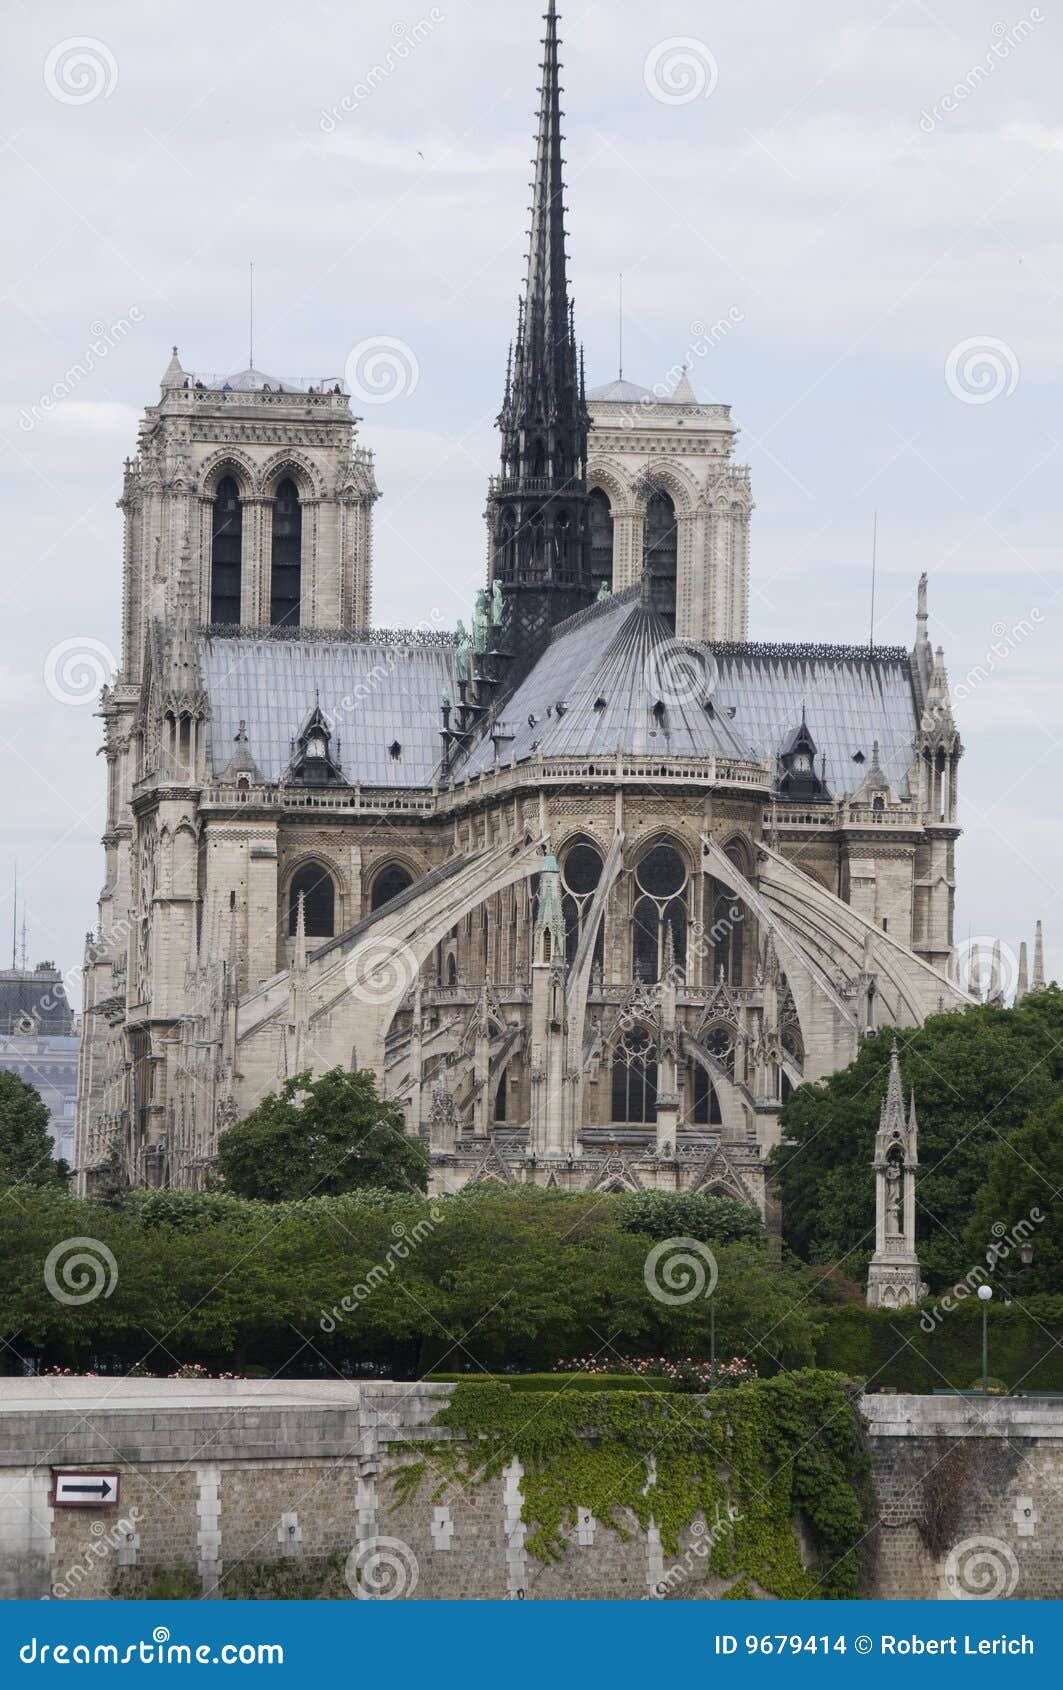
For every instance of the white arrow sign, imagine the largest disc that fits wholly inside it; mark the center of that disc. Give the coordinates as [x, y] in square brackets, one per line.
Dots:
[85, 1490]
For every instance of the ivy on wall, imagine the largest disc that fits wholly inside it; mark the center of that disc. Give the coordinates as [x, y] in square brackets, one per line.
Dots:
[752, 1461]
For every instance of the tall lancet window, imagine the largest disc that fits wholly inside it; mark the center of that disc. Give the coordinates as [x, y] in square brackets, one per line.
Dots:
[662, 552]
[287, 557]
[225, 552]
[601, 538]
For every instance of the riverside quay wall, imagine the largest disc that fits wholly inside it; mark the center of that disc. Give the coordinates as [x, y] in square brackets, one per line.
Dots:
[280, 1489]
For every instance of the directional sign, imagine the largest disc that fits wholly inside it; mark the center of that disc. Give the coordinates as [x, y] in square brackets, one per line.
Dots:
[85, 1490]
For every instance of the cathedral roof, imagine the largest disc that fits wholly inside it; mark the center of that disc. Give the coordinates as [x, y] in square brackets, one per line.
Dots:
[849, 699]
[375, 695]
[614, 678]
[621, 391]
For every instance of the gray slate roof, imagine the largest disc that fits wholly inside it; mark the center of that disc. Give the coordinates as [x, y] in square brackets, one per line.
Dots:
[608, 667]
[850, 699]
[371, 694]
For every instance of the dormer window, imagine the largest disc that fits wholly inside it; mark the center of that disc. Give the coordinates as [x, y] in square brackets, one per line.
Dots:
[658, 712]
[394, 750]
[798, 758]
[599, 703]
[313, 759]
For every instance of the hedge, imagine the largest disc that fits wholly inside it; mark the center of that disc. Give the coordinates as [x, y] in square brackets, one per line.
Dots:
[894, 1347]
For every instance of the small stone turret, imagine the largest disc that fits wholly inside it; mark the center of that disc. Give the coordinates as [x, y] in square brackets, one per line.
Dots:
[893, 1278]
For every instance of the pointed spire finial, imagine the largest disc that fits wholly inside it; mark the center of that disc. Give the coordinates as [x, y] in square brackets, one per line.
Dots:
[1037, 984]
[1022, 982]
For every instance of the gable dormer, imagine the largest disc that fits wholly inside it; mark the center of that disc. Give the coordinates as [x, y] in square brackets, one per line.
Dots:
[313, 761]
[798, 759]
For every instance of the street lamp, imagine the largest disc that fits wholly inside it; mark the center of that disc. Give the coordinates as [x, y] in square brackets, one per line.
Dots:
[985, 1297]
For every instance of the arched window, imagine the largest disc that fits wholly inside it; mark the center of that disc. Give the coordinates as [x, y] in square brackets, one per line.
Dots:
[662, 552]
[705, 1108]
[500, 1097]
[284, 592]
[319, 901]
[601, 538]
[506, 529]
[225, 553]
[635, 1077]
[581, 871]
[660, 910]
[388, 883]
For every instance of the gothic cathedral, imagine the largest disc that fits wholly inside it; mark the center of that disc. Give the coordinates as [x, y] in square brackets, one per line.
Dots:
[589, 885]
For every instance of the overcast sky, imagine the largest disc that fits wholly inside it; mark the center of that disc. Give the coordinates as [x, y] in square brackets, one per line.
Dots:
[868, 197]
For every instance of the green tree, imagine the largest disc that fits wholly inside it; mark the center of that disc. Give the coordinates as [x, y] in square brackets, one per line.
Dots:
[689, 1214]
[1023, 1198]
[321, 1137]
[27, 1154]
[977, 1076]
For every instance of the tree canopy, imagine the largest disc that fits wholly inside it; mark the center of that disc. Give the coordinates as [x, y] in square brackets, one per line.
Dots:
[1022, 1200]
[319, 1138]
[502, 1278]
[27, 1153]
[977, 1076]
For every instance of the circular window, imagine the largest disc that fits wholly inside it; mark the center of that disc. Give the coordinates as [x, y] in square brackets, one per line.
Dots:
[661, 872]
[582, 870]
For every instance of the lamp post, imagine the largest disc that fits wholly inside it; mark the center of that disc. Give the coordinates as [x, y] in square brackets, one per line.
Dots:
[985, 1297]
[997, 1253]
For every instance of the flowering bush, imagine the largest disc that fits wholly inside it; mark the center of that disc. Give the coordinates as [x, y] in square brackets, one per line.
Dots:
[193, 1370]
[684, 1374]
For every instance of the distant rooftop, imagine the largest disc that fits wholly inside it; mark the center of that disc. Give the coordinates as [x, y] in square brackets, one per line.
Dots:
[256, 381]
[621, 392]
[250, 380]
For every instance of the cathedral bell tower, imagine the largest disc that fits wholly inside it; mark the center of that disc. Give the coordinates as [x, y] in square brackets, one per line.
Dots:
[538, 511]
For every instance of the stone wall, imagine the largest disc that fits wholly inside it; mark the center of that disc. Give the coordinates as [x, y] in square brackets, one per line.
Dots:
[278, 1488]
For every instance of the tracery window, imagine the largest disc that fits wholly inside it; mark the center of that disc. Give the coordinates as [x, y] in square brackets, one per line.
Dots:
[661, 894]
[581, 870]
[634, 1077]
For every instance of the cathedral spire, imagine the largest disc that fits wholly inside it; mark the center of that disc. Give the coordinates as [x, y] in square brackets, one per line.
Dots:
[537, 510]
